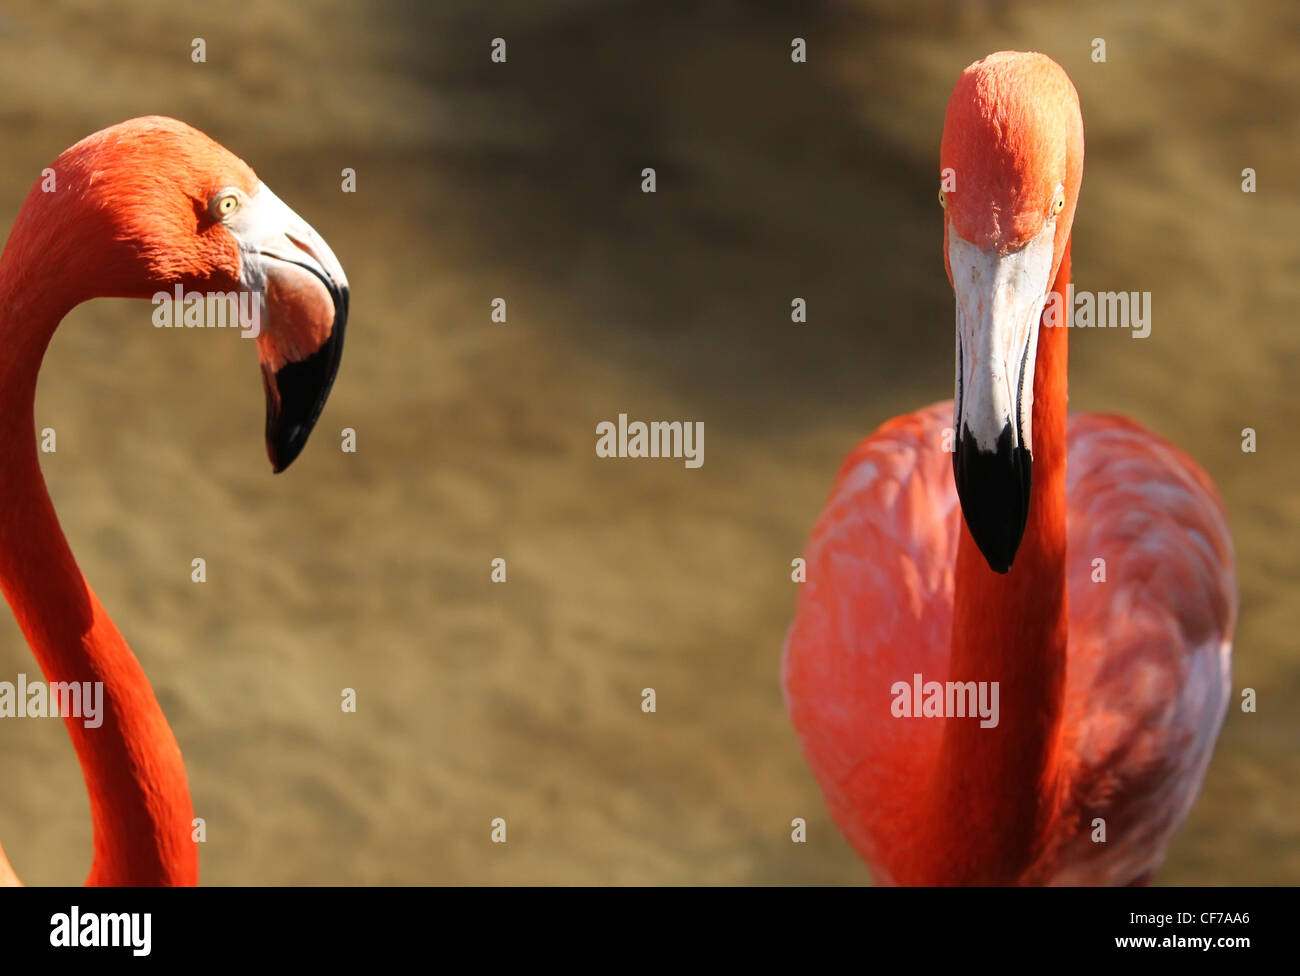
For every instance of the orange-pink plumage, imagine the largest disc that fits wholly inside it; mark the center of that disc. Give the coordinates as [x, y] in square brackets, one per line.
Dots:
[1099, 593]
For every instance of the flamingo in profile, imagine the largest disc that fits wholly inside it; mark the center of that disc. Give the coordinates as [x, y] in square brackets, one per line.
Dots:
[1099, 597]
[129, 212]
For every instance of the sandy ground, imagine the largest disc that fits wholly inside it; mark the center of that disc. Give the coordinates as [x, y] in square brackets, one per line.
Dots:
[481, 700]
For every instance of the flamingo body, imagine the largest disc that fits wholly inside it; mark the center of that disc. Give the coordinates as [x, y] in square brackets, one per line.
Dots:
[1076, 570]
[1149, 649]
[131, 211]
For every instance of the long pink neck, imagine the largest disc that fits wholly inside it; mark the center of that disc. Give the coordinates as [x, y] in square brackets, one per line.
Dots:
[994, 790]
[139, 798]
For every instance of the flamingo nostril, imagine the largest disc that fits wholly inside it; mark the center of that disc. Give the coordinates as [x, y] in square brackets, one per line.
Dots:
[303, 246]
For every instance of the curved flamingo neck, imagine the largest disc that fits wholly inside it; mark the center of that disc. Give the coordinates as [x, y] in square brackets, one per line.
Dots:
[139, 797]
[994, 791]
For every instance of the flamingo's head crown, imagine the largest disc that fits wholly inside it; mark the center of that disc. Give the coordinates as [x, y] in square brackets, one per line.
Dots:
[152, 206]
[129, 205]
[1012, 153]
[1010, 167]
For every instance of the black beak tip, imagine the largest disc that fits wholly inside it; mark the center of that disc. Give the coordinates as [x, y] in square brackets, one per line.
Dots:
[286, 447]
[993, 486]
[999, 558]
[296, 392]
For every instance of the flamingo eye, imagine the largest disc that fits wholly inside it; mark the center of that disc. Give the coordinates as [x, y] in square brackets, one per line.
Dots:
[224, 204]
[943, 200]
[1059, 203]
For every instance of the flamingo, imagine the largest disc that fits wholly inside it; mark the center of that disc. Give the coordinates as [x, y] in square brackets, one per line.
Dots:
[128, 212]
[1099, 596]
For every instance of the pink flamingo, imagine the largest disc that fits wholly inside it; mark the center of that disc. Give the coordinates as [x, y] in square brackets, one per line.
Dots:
[1100, 598]
[131, 211]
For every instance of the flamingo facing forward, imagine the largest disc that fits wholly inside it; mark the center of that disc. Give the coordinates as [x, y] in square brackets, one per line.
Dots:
[132, 211]
[1100, 598]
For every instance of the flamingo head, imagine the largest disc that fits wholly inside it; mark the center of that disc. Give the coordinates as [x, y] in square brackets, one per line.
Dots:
[141, 207]
[1011, 164]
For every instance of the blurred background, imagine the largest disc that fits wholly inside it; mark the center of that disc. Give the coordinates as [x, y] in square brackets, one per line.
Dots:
[476, 440]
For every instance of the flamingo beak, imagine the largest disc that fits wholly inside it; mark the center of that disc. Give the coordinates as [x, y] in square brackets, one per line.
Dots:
[303, 301]
[1000, 299]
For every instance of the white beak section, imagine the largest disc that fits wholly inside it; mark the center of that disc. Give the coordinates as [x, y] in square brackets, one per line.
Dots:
[267, 228]
[302, 308]
[1000, 300]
